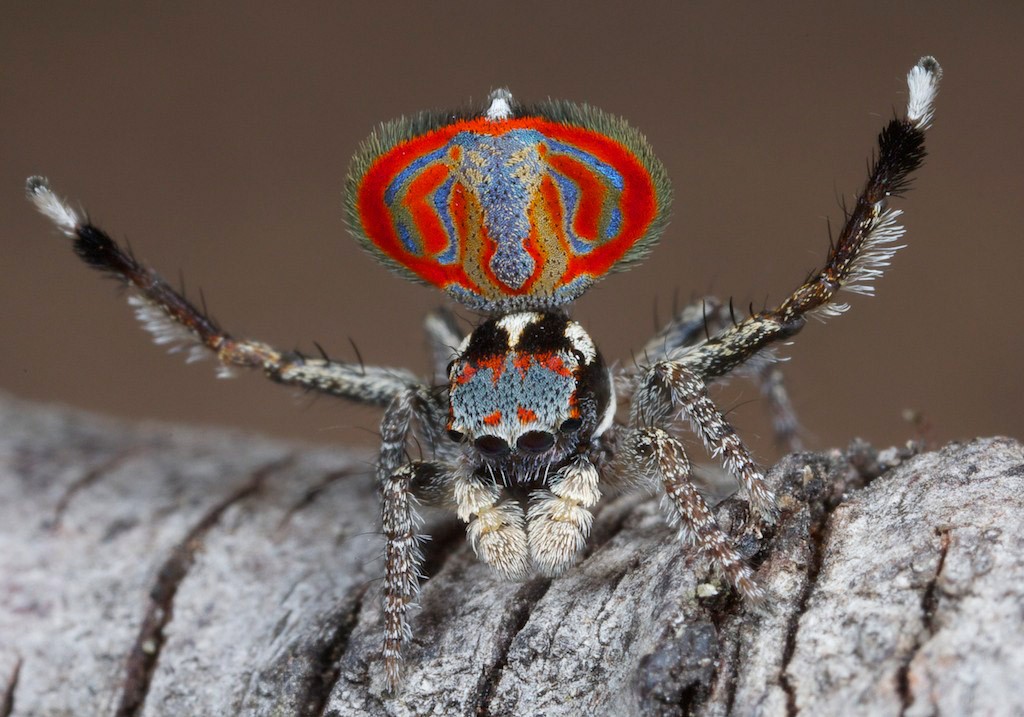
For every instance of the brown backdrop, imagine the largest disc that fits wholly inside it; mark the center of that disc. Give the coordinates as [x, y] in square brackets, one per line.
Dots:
[216, 140]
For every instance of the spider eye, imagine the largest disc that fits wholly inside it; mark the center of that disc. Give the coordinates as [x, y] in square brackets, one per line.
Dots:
[456, 436]
[535, 441]
[570, 425]
[491, 446]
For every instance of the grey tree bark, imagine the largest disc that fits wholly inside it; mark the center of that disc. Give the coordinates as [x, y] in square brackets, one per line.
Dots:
[159, 570]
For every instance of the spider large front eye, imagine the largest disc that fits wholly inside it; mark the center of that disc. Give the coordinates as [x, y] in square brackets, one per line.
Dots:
[491, 446]
[535, 441]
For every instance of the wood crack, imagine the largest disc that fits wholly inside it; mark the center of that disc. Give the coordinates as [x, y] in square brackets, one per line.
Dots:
[316, 490]
[821, 504]
[145, 653]
[7, 703]
[515, 620]
[325, 663]
[487, 649]
[819, 538]
[88, 479]
[726, 615]
[929, 603]
[821, 501]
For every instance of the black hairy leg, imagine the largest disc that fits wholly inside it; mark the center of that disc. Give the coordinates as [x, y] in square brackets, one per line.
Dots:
[858, 256]
[175, 321]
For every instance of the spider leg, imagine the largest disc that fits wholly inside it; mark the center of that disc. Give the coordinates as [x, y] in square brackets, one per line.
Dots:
[401, 491]
[651, 452]
[692, 327]
[670, 390]
[444, 337]
[559, 519]
[403, 485]
[175, 321]
[861, 252]
[402, 560]
[785, 424]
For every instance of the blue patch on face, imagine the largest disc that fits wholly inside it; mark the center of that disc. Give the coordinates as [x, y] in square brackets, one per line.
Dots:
[483, 406]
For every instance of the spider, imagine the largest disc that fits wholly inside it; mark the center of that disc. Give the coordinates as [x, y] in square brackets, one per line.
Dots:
[514, 212]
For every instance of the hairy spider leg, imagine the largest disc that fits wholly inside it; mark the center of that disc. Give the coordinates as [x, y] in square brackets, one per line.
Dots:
[859, 256]
[650, 452]
[173, 320]
[694, 325]
[444, 338]
[675, 385]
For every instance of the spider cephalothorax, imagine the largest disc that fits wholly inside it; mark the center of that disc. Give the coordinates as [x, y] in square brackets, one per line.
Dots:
[527, 390]
[515, 212]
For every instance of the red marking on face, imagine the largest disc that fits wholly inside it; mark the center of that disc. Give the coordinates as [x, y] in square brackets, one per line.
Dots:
[495, 363]
[554, 363]
[526, 415]
[549, 360]
[468, 371]
[574, 405]
[522, 362]
[493, 419]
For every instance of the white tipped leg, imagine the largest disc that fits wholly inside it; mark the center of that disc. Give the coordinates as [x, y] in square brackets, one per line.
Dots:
[53, 207]
[857, 256]
[173, 320]
[923, 82]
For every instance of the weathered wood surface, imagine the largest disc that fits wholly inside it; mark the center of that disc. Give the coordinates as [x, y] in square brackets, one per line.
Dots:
[155, 570]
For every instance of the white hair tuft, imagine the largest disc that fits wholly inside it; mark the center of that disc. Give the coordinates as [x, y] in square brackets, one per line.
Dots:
[500, 105]
[53, 207]
[923, 81]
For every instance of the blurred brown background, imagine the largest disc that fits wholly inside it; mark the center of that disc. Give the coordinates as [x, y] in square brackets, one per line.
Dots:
[216, 139]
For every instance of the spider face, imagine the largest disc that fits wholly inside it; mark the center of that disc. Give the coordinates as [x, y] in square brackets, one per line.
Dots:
[528, 389]
[515, 212]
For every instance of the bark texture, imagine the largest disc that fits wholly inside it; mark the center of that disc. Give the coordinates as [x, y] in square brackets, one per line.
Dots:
[156, 570]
